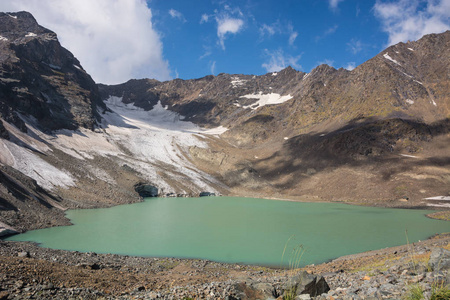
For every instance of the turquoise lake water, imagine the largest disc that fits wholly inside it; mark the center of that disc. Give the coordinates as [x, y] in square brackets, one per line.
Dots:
[237, 230]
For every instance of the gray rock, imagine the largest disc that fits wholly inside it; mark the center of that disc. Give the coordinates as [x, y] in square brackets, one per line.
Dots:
[387, 289]
[243, 291]
[439, 259]
[23, 254]
[266, 289]
[305, 283]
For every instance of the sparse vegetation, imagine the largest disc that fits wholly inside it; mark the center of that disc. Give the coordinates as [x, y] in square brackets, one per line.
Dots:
[415, 292]
[439, 291]
[294, 263]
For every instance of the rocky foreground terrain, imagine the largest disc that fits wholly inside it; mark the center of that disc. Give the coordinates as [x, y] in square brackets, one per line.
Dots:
[31, 272]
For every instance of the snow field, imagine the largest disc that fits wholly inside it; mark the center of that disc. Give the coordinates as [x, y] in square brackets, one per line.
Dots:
[265, 99]
[158, 141]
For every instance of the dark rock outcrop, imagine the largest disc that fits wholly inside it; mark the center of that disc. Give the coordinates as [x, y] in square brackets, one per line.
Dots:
[146, 190]
[305, 283]
[206, 194]
[41, 79]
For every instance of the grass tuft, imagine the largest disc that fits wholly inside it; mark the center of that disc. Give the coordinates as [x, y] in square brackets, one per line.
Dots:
[294, 263]
[415, 292]
[440, 292]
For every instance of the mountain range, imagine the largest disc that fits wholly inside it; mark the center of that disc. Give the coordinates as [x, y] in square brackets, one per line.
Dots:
[376, 135]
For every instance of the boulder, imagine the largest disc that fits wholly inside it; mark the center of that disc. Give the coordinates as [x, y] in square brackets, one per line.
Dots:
[261, 290]
[305, 283]
[439, 259]
[146, 190]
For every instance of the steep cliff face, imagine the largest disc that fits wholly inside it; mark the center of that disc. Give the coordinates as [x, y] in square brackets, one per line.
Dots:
[43, 88]
[41, 79]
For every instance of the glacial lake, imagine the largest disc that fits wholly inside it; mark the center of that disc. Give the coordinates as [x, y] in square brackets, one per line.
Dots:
[237, 230]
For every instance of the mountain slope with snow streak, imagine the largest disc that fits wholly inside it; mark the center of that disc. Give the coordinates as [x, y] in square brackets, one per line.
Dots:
[157, 139]
[153, 143]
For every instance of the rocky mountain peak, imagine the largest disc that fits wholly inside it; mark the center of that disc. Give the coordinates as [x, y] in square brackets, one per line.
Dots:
[21, 25]
[41, 79]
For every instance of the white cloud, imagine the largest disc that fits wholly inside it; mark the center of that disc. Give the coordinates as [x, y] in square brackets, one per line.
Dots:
[292, 34]
[334, 4]
[292, 38]
[326, 62]
[405, 20]
[213, 67]
[204, 19]
[229, 20]
[355, 46]
[176, 15]
[350, 66]
[278, 61]
[267, 29]
[208, 52]
[327, 32]
[225, 25]
[278, 28]
[114, 41]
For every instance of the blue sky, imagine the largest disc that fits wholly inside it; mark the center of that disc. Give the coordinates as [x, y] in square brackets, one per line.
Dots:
[116, 40]
[267, 35]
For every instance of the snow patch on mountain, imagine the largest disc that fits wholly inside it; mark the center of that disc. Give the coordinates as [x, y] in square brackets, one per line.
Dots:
[266, 99]
[23, 159]
[31, 34]
[214, 131]
[440, 198]
[236, 81]
[386, 55]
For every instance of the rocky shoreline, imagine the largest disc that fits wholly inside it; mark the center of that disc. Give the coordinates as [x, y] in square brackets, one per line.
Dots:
[28, 271]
